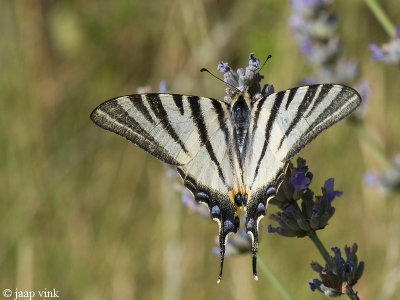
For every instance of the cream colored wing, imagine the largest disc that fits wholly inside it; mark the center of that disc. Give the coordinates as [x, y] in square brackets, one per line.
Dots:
[282, 124]
[190, 132]
[285, 122]
[161, 124]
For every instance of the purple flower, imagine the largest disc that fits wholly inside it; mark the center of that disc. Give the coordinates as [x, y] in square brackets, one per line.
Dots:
[192, 205]
[163, 87]
[244, 79]
[398, 30]
[239, 243]
[387, 181]
[272, 229]
[254, 63]
[223, 67]
[314, 284]
[330, 193]
[268, 89]
[371, 179]
[306, 47]
[377, 53]
[389, 53]
[300, 181]
[305, 6]
[312, 213]
[314, 26]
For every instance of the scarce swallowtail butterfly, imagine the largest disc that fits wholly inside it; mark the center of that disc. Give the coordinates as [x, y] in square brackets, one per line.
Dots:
[232, 157]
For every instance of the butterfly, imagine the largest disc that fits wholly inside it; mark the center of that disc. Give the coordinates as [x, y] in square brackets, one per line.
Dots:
[232, 157]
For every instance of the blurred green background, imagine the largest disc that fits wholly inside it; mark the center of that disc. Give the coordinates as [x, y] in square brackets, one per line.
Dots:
[87, 213]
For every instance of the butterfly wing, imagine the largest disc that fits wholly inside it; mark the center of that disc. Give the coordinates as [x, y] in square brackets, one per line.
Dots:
[282, 124]
[190, 132]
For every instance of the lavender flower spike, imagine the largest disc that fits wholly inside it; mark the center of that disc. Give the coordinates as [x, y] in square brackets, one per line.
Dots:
[388, 53]
[300, 181]
[244, 79]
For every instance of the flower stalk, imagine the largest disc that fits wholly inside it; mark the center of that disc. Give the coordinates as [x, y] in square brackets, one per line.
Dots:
[381, 16]
[274, 280]
[317, 242]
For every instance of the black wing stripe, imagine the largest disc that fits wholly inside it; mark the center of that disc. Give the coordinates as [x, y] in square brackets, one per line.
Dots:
[222, 124]
[123, 124]
[308, 97]
[157, 107]
[188, 181]
[137, 102]
[260, 104]
[179, 103]
[198, 118]
[321, 96]
[275, 109]
[327, 114]
[291, 96]
[122, 116]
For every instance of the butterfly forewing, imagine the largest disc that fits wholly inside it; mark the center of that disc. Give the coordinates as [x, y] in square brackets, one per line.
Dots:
[188, 131]
[285, 122]
[161, 124]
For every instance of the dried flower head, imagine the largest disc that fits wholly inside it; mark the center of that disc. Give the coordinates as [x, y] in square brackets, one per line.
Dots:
[343, 275]
[247, 79]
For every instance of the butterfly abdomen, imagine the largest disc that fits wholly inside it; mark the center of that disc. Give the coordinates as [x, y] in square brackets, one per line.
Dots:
[240, 117]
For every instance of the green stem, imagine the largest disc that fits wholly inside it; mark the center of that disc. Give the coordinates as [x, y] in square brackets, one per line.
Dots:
[274, 280]
[373, 145]
[313, 236]
[382, 17]
[351, 294]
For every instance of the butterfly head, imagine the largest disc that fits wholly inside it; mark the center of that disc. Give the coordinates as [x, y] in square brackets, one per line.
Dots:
[245, 95]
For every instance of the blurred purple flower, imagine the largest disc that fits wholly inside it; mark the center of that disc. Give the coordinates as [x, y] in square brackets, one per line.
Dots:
[377, 53]
[387, 181]
[370, 179]
[192, 206]
[163, 87]
[237, 244]
[144, 89]
[314, 27]
[388, 53]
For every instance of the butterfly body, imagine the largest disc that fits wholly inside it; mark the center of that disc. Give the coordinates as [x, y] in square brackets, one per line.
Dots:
[232, 156]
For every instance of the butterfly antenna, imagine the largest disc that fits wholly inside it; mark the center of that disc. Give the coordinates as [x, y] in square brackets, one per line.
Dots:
[227, 83]
[269, 56]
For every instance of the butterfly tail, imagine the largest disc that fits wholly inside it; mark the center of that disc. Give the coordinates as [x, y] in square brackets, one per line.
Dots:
[222, 253]
[254, 251]
[256, 210]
